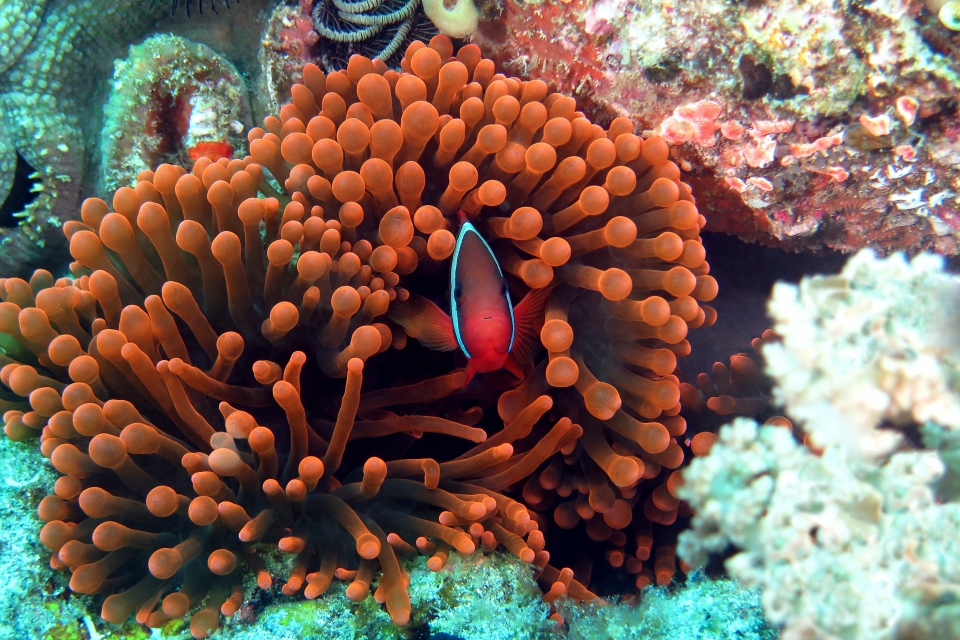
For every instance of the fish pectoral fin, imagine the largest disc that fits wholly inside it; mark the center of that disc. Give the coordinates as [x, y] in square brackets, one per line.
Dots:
[519, 369]
[426, 322]
[471, 372]
[528, 316]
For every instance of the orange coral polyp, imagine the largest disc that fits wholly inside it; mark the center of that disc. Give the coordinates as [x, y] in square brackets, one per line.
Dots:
[215, 370]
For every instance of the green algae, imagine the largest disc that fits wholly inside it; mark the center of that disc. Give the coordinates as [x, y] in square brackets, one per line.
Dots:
[492, 597]
[331, 617]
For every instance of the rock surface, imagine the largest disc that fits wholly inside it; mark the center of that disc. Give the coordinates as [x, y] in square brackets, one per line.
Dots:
[803, 125]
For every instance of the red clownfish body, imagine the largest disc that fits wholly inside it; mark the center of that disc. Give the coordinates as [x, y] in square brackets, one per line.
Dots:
[482, 323]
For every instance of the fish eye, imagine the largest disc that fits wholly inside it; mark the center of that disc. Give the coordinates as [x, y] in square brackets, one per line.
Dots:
[457, 292]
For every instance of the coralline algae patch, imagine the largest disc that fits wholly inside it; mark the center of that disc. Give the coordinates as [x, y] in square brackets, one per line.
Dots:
[288, 43]
[172, 101]
[802, 125]
[858, 182]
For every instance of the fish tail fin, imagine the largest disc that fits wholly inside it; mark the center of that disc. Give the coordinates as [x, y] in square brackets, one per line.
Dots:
[528, 316]
[426, 322]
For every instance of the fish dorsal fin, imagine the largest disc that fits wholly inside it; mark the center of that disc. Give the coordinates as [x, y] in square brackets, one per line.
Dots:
[528, 317]
[426, 322]
[468, 230]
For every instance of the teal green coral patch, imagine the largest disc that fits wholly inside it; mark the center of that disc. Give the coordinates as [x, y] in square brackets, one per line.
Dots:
[8, 165]
[494, 597]
[19, 21]
[479, 597]
[330, 617]
[946, 442]
[703, 608]
[34, 602]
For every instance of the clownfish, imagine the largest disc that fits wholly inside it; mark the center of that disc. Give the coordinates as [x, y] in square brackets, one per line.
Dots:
[483, 323]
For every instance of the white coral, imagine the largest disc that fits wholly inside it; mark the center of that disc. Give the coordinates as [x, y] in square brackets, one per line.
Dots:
[876, 343]
[841, 547]
[852, 543]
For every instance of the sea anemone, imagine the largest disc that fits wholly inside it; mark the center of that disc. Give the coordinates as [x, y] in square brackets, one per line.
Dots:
[737, 389]
[199, 378]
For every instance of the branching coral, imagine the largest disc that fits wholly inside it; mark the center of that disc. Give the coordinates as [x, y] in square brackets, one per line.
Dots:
[185, 380]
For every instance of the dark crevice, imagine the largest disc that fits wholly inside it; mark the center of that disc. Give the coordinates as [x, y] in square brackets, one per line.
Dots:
[757, 78]
[172, 118]
[746, 273]
[665, 70]
[21, 194]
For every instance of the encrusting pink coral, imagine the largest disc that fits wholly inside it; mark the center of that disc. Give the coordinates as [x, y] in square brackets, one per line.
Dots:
[220, 372]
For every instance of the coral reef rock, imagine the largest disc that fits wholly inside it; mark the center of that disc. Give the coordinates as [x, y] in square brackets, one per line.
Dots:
[52, 102]
[803, 125]
[43, 109]
[172, 101]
